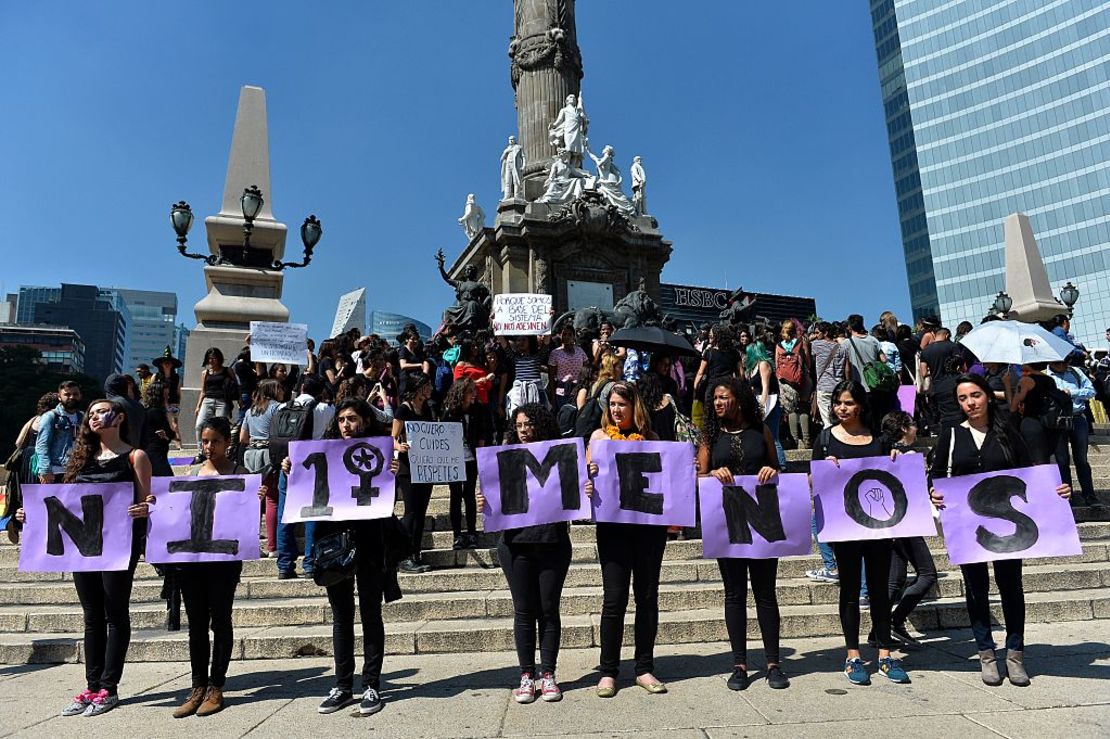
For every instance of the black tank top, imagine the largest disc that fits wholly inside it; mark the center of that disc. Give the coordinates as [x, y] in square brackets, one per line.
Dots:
[116, 469]
[757, 384]
[215, 386]
[1036, 398]
[743, 452]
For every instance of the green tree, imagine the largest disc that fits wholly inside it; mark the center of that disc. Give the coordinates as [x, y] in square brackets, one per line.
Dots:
[24, 378]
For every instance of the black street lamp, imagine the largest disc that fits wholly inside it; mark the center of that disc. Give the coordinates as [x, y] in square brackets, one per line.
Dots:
[311, 231]
[251, 203]
[181, 218]
[1003, 303]
[1069, 294]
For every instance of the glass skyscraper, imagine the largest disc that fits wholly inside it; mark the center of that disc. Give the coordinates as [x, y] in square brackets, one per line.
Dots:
[995, 107]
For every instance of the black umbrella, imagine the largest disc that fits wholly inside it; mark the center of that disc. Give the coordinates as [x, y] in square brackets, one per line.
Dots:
[653, 339]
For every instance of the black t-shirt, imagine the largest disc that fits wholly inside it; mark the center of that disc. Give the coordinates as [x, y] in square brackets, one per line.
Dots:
[743, 452]
[662, 422]
[943, 398]
[935, 355]
[720, 363]
[1036, 400]
[405, 412]
[908, 350]
[828, 445]
[244, 373]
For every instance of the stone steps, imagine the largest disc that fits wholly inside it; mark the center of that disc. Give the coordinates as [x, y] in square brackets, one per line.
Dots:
[495, 634]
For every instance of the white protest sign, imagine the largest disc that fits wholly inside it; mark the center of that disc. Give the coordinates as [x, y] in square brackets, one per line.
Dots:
[521, 314]
[436, 451]
[285, 343]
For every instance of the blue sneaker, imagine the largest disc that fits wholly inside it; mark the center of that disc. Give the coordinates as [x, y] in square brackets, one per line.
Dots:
[892, 668]
[856, 672]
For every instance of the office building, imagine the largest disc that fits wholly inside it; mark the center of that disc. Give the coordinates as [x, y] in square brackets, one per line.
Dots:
[29, 297]
[100, 318]
[180, 336]
[389, 325]
[61, 348]
[153, 315]
[995, 107]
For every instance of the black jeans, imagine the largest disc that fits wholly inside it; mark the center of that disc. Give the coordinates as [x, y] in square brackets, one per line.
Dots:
[463, 492]
[106, 601]
[735, 574]
[535, 573]
[875, 556]
[911, 551]
[208, 589]
[629, 552]
[341, 597]
[1007, 574]
[416, 497]
[1079, 439]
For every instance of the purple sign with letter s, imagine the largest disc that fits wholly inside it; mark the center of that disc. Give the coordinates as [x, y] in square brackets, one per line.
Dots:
[83, 527]
[530, 484]
[1015, 514]
[645, 482]
[340, 480]
[755, 521]
[203, 519]
[872, 498]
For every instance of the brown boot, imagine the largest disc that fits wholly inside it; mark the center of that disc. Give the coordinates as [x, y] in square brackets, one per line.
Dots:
[213, 701]
[191, 704]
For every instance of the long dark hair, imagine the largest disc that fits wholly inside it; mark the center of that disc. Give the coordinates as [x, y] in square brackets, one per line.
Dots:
[997, 422]
[751, 415]
[87, 445]
[453, 403]
[547, 429]
[362, 408]
[859, 395]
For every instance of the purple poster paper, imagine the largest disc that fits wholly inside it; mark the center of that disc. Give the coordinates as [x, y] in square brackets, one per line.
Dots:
[82, 527]
[647, 482]
[872, 498]
[340, 480]
[1007, 515]
[907, 398]
[755, 521]
[203, 519]
[530, 484]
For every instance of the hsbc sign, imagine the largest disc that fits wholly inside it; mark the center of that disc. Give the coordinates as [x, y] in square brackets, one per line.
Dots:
[695, 297]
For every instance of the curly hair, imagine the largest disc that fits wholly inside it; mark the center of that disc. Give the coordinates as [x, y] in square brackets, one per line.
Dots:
[46, 402]
[87, 445]
[453, 404]
[751, 415]
[414, 382]
[154, 395]
[547, 428]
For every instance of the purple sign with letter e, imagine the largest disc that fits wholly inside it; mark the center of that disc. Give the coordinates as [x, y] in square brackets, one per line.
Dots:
[872, 498]
[203, 519]
[531, 484]
[753, 521]
[340, 480]
[82, 527]
[645, 482]
[1014, 514]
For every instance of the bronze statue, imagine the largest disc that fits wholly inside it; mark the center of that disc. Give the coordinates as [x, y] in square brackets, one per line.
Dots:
[473, 302]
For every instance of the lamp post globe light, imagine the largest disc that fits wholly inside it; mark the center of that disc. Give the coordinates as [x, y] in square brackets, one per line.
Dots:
[1069, 295]
[1003, 303]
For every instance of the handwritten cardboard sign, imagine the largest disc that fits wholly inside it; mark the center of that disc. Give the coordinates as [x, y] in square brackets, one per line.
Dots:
[531, 484]
[521, 314]
[83, 527]
[284, 343]
[340, 480]
[203, 519]
[753, 521]
[436, 453]
[646, 482]
[872, 498]
[1015, 514]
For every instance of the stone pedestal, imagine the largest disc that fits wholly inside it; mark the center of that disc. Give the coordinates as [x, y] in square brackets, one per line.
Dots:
[1026, 278]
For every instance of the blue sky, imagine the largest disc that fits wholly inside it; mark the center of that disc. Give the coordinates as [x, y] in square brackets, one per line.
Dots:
[760, 126]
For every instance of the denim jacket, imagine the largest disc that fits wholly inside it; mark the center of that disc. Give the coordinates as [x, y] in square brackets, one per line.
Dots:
[55, 440]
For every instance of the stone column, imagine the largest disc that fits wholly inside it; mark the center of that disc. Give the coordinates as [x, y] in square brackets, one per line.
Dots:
[546, 67]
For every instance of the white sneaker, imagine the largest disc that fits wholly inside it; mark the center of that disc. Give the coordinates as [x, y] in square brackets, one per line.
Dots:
[526, 693]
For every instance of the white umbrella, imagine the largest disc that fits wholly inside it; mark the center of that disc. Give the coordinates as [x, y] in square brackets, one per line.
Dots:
[1014, 342]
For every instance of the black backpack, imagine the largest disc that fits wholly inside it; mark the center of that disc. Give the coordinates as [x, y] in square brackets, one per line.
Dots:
[1058, 415]
[291, 422]
[588, 418]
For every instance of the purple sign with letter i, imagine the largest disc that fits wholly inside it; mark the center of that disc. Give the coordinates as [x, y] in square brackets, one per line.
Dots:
[530, 484]
[340, 480]
[645, 482]
[1014, 514]
[203, 519]
[872, 498]
[82, 527]
[753, 521]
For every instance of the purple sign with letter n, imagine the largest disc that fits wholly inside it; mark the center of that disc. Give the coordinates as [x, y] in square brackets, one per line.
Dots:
[1014, 514]
[646, 482]
[340, 480]
[872, 498]
[530, 484]
[203, 519]
[753, 521]
[82, 527]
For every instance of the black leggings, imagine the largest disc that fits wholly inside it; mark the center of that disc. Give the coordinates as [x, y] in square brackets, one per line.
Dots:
[416, 497]
[106, 601]
[208, 589]
[735, 573]
[1007, 575]
[535, 573]
[851, 556]
[464, 492]
[905, 552]
[342, 600]
[629, 552]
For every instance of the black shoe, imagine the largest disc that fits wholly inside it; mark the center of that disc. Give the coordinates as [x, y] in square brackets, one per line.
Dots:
[471, 541]
[776, 679]
[738, 680]
[287, 575]
[899, 632]
[409, 566]
[459, 543]
[336, 700]
[871, 640]
[371, 702]
[421, 567]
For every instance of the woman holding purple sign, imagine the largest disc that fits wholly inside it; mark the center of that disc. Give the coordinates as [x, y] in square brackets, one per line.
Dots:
[100, 455]
[986, 442]
[416, 495]
[627, 552]
[851, 438]
[535, 560]
[737, 442]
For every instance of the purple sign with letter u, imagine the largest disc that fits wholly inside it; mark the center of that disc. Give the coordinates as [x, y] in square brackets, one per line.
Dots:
[340, 480]
[82, 527]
